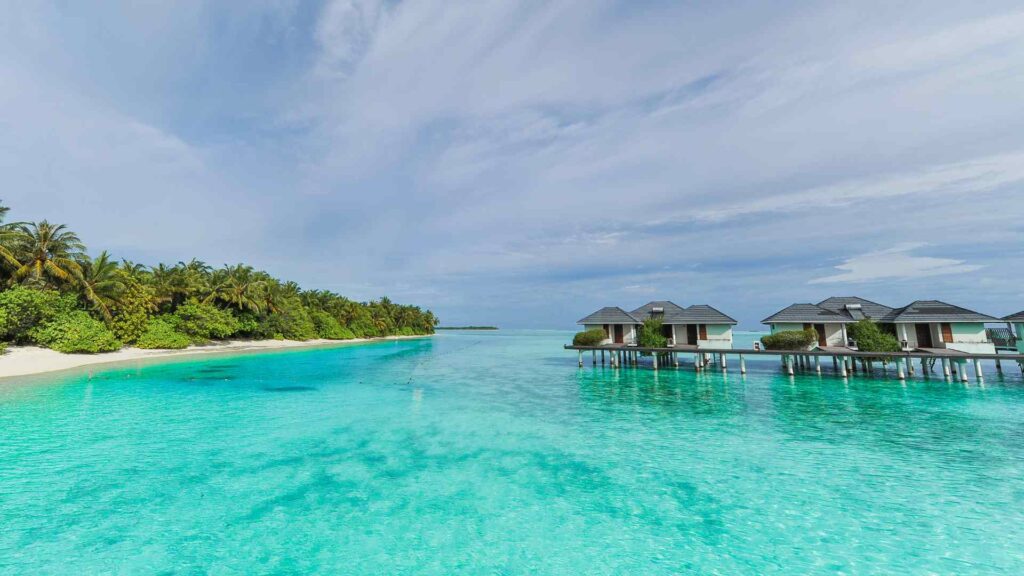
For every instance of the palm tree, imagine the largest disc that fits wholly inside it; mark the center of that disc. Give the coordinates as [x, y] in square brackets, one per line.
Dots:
[48, 251]
[241, 287]
[100, 283]
[9, 240]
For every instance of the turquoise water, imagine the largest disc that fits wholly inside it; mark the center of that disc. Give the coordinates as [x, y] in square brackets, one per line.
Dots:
[492, 453]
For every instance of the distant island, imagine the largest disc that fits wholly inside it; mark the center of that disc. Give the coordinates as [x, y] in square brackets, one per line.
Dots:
[466, 328]
[54, 295]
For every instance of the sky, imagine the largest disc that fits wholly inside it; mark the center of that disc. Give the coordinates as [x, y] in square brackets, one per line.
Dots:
[523, 163]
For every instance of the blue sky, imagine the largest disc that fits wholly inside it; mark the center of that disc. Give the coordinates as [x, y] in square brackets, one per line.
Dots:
[523, 163]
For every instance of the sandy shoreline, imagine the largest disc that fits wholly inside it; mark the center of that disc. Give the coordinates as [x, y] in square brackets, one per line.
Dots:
[30, 360]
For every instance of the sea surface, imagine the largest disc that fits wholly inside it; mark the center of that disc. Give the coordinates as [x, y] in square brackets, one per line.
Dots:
[493, 453]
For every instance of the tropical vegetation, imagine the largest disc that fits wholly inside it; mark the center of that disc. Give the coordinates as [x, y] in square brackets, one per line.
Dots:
[53, 294]
[591, 337]
[650, 335]
[872, 338]
[790, 340]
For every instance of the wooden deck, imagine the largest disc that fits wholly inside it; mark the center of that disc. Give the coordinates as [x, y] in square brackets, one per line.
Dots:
[951, 363]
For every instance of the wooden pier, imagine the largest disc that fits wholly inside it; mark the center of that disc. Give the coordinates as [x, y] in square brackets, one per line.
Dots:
[845, 361]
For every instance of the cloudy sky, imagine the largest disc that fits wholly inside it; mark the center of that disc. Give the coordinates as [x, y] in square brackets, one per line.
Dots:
[525, 162]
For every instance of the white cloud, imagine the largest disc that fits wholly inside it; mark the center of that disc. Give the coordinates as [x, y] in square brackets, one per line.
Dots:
[896, 263]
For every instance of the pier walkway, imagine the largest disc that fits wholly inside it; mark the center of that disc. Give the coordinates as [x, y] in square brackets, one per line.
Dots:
[845, 361]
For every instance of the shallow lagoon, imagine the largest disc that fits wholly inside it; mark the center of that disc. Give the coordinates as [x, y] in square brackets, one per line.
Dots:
[491, 452]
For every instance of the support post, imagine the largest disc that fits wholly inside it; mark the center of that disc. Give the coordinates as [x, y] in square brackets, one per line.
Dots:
[593, 357]
[696, 362]
[743, 365]
[817, 364]
[945, 367]
[842, 364]
[999, 366]
[789, 365]
[725, 362]
[962, 366]
[899, 369]
[977, 370]
[581, 358]
[654, 355]
[835, 363]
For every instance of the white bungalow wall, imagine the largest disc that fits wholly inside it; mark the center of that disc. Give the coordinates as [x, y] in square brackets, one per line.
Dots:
[967, 336]
[718, 336]
[834, 333]
[628, 332]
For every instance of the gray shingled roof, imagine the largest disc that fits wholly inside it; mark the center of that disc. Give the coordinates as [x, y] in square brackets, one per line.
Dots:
[1018, 317]
[869, 309]
[672, 311]
[704, 314]
[936, 311]
[805, 313]
[610, 315]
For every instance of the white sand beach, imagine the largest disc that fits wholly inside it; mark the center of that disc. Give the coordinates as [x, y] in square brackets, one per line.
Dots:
[27, 360]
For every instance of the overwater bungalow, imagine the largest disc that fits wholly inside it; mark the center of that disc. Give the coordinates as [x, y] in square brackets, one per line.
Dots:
[932, 324]
[829, 324]
[921, 324]
[1017, 320]
[698, 325]
[618, 325]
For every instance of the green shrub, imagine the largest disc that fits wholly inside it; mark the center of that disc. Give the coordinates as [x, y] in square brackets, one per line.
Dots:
[75, 333]
[650, 334]
[291, 321]
[790, 340]
[871, 338]
[22, 309]
[160, 334]
[327, 326]
[3, 348]
[131, 313]
[591, 337]
[202, 322]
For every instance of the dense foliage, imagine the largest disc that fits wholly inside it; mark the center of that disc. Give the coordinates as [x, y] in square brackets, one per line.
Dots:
[160, 333]
[76, 333]
[871, 338]
[790, 340]
[591, 337]
[48, 282]
[650, 334]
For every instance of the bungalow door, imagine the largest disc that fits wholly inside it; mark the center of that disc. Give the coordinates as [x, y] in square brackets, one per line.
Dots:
[924, 335]
[691, 334]
[947, 332]
[820, 329]
[618, 334]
